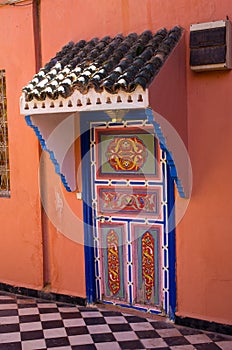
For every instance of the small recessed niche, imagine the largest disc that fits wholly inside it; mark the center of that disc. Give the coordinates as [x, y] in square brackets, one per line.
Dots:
[140, 98]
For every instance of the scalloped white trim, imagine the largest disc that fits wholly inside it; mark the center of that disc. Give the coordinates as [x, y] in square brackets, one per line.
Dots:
[92, 101]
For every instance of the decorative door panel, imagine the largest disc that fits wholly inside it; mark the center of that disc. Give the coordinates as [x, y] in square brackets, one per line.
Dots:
[129, 201]
[126, 153]
[112, 260]
[147, 254]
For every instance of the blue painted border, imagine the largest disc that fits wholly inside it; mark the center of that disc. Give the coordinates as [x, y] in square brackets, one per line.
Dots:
[87, 213]
[163, 146]
[171, 246]
[86, 118]
[51, 153]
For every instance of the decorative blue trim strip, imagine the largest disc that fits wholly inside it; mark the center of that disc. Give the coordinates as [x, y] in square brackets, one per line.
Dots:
[88, 214]
[171, 247]
[51, 154]
[156, 312]
[163, 146]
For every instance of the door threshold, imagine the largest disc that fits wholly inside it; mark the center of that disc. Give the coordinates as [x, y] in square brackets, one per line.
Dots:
[142, 310]
[128, 309]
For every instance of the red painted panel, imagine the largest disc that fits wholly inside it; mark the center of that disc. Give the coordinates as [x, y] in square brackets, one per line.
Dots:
[148, 269]
[113, 262]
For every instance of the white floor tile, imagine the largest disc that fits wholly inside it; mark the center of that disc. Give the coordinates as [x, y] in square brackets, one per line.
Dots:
[80, 339]
[30, 326]
[9, 337]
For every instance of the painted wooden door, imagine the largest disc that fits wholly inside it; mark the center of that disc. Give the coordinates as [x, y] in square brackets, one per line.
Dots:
[129, 201]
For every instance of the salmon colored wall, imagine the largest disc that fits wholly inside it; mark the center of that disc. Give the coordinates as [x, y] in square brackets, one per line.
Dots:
[204, 283]
[64, 231]
[20, 231]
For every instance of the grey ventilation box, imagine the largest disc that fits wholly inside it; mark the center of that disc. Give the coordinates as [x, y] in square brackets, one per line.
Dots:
[210, 46]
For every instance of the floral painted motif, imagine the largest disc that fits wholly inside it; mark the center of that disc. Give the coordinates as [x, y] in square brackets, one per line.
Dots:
[113, 262]
[126, 153]
[128, 202]
[148, 271]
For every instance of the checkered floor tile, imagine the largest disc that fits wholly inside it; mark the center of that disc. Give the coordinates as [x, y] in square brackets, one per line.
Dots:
[28, 324]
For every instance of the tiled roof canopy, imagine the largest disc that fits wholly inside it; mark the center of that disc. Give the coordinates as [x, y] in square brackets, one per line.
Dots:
[110, 64]
[110, 75]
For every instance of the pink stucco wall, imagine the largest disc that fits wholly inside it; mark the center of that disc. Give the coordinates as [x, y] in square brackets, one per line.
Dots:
[20, 230]
[204, 283]
[204, 265]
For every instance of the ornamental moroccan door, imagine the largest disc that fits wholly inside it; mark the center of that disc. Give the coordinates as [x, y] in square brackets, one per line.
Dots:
[129, 201]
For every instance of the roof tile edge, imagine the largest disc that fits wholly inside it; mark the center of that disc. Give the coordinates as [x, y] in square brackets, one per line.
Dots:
[91, 101]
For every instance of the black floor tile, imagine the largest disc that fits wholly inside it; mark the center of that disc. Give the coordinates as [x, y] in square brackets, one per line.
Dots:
[55, 342]
[29, 318]
[132, 344]
[174, 341]
[5, 313]
[8, 328]
[77, 330]
[135, 319]
[101, 338]
[48, 310]
[208, 346]
[11, 346]
[147, 334]
[52, 324]
[69, 315]
[162, 325]
[189, 331]
[121, 327]
[94, 320]
[84, 347]
[110, 313]
[8, 301]
[32, 335]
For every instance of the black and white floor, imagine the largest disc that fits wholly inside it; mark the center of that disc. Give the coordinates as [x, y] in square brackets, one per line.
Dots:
[27, 324]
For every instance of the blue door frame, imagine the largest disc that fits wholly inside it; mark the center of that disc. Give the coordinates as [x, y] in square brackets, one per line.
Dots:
[86, 118]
